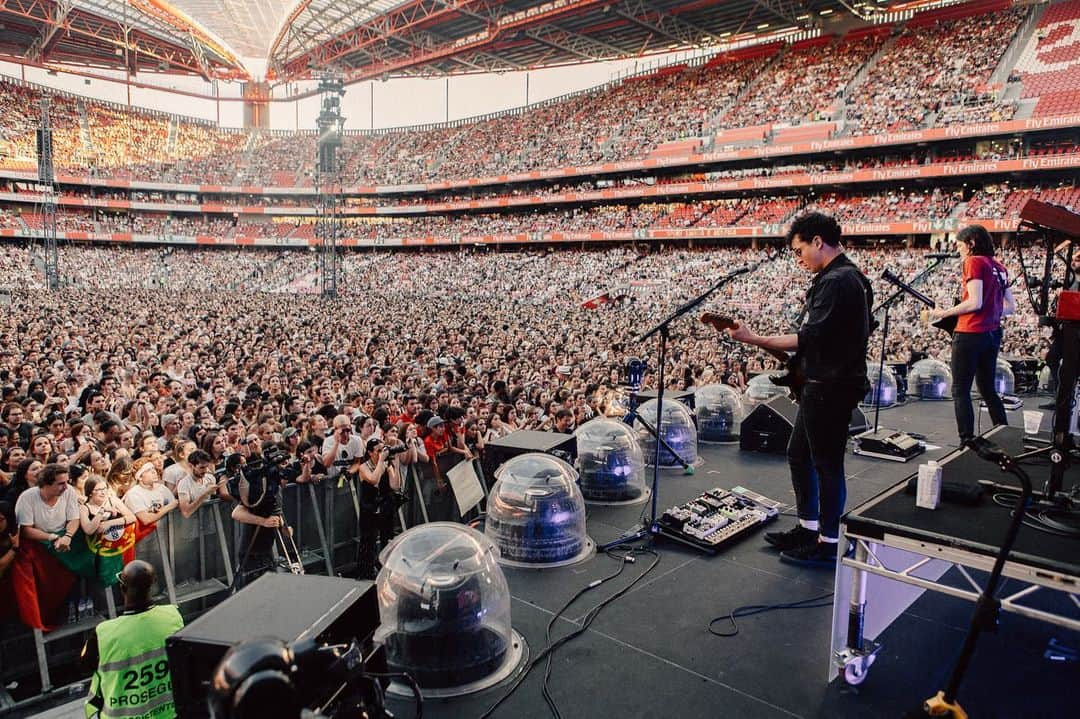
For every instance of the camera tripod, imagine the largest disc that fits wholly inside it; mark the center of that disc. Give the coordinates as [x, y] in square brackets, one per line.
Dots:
[286, 546]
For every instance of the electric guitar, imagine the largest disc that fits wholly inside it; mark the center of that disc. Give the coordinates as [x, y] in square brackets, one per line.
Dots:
[948, 324]
[793, 378]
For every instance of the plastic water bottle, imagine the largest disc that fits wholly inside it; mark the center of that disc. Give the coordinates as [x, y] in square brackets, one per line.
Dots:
[928, 494]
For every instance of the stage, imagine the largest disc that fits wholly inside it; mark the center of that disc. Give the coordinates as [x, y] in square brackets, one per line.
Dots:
[649, 654]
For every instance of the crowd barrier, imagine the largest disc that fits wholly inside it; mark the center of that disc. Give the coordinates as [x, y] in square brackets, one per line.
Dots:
[197, 558]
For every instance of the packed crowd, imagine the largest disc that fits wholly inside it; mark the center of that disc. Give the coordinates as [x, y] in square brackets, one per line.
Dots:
[806, 84]
[199, 366]
[622, 120]
[930, 67]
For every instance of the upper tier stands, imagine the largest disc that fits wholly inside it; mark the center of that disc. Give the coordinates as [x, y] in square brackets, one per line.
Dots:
[930, 66]
[678, 109]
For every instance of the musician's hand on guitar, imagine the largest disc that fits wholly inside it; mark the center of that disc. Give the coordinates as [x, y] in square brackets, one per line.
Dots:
[741, 333]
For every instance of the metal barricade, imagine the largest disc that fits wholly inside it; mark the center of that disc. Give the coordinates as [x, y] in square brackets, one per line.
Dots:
[342, 522]
[82, 626]
[301, 503]
[198, 553]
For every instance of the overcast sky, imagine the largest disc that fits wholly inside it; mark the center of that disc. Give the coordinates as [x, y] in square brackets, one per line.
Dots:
[396, 102]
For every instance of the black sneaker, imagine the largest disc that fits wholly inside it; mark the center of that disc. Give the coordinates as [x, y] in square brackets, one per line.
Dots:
[798, 536]
[818, 554]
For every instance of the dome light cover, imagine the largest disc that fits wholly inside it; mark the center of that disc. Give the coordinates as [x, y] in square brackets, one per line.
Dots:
[930, 379]
[610, 461]
[1004, 379]
[444, 606]
[761, 388]
[536, 513]
[719, 413]
[677, 428]
[883, 388]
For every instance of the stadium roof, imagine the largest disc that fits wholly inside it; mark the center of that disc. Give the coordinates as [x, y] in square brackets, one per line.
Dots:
[137, 34]
[362, 39]
[375, 38]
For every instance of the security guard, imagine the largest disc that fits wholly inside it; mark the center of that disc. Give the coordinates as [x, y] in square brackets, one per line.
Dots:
[131, 673]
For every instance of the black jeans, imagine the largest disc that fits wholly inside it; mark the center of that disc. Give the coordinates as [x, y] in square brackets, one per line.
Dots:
[816, 452]
[974, 356]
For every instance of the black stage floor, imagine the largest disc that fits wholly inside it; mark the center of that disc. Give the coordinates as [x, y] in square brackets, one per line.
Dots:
[649, 654]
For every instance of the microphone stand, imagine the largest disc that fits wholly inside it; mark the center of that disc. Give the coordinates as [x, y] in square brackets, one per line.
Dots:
[902, 289]
[987, 606]
[652, 527]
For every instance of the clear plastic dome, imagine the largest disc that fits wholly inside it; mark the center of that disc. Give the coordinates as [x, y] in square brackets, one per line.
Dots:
[882, 388]
[1004, 379]
[610, 462]
[930, 379]
[677, 429]
[444, 606]
[536, 514]
[719, 413]
[761, 388]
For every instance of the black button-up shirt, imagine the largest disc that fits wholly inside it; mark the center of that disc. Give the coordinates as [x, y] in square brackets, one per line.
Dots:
[834, 336]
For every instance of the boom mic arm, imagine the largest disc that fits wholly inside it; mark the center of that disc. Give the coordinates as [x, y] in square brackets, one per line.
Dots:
[903, 286]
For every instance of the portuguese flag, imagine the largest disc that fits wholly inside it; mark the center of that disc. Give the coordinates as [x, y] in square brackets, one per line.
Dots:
[39, 586]
[42, 578]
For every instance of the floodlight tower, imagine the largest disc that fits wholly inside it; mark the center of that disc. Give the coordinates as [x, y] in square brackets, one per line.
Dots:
[328, 178]
[46, 179]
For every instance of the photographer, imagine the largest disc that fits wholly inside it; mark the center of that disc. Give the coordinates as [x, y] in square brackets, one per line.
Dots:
[379, 483]
[257, 491]
[341, 448]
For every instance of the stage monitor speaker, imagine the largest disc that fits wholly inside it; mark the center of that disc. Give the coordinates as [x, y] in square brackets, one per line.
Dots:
[768, 427]
[283, 606]
[563, 446]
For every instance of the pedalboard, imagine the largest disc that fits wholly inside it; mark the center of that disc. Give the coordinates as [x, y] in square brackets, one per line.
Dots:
[718, 517]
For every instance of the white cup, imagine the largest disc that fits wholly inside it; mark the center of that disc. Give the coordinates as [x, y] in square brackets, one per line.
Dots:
[1032, 421]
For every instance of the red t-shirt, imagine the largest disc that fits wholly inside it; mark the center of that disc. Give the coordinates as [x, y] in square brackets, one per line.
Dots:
[995, 278]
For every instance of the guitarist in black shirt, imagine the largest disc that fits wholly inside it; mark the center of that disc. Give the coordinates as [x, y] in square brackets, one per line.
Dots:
[830, 349]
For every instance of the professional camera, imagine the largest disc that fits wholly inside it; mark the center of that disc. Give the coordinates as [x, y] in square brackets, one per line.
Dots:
[266, 677]
[397, 449]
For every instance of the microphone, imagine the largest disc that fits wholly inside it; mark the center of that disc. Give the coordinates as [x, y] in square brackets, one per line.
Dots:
[942, 255]
[893, 279]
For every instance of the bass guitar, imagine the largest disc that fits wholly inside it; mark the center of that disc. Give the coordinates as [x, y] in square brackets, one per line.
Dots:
[793, 378]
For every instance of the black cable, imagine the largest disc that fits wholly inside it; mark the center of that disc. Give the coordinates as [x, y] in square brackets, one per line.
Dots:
[589, 617]
[418, 699]
[594, 612]
[550, 700]
[749, 610]
[1041, 520]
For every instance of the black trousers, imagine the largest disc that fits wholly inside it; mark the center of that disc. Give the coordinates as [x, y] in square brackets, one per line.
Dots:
[974, 356]
[816, 452]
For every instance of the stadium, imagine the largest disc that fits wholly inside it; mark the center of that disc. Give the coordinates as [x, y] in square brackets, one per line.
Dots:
[234, 228]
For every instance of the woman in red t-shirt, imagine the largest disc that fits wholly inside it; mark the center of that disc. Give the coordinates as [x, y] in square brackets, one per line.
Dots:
[977, 339]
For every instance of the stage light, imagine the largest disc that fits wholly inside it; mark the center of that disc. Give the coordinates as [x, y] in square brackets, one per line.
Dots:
[536, 513]
[719, 413]
[882, 388]
[676, 427]
[610, 462]
[930, 379]
[444, 609]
